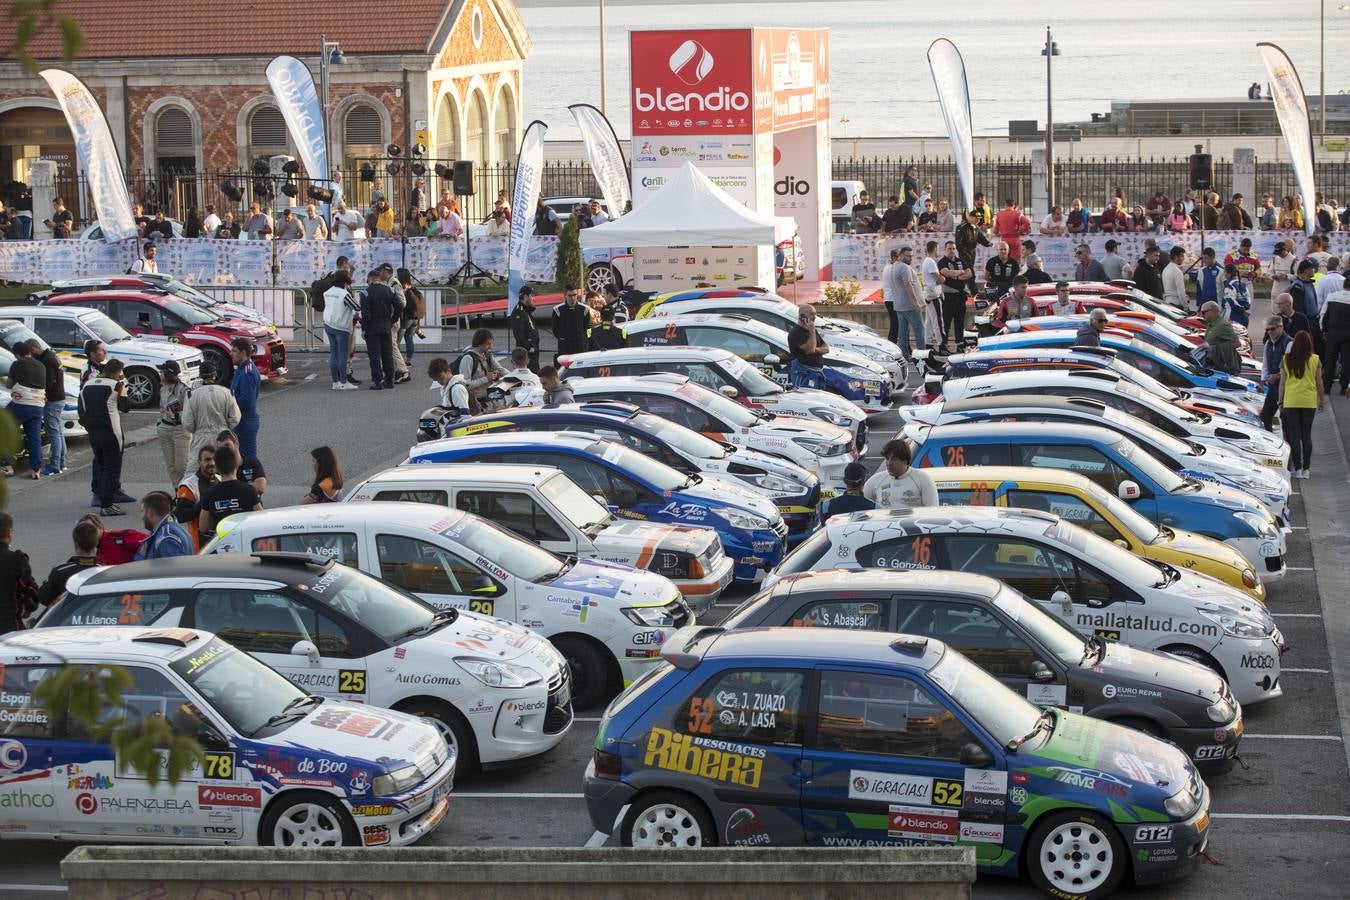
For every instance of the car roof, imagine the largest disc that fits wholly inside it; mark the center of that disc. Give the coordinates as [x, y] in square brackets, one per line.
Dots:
[1104, 377]
[840, 582]
[119, 293]
[744, 323]
[77, 643]
[286, 568]
[636, 354]
[658, 382]
[593, 411]
[571, 440]
[1084, 405]
[62, 309]
[825, 645]
[764, 300]
[342, 514]
[928, 518]
[469, 472]
[1019, 476]
[1026, 430]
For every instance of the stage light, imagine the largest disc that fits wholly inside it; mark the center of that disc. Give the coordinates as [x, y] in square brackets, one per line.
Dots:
[292, 167]
[394, 150]
[367, 172]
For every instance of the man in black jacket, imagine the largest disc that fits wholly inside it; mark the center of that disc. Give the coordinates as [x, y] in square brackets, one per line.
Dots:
[56, 405]
[523, 330]
[102, 402]
[17, 589]
[1336, 333]
[571, 321]
[969, 235]
[1148, 273]
[377, 323]
[86, 538]
[607, 335]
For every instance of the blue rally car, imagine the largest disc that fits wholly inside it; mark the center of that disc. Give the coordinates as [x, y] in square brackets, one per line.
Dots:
[634, 486]
[828, 737]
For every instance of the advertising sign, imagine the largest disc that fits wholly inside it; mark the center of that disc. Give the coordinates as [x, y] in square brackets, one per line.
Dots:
[691, 82]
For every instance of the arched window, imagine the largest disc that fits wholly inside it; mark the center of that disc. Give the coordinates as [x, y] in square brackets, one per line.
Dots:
[267, 135]
[175, 148]
[476, 131]
[447, 129]
[504, 126]
[362, 128]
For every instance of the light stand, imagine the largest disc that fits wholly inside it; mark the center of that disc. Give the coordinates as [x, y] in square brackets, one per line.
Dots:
[469, 270]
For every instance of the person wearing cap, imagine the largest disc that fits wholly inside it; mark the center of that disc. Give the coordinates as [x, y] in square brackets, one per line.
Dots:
[174, 439]
[1113, 264]
[606, 335]
[1064, 306]
[852, 500]
[210, 409]
[1281, 271]
[523, 330]
[1090, 334]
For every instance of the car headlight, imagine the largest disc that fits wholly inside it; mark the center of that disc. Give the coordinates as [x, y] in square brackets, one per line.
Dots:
[740, 519]
[834, 418]
[816, 446]
[1248, 578]
[652, 616]
[1182, 804]
[396, 782]
[498, 674]
[775, 483]
[879, 355]
[1235, 627]
[1221, 711]
[1262, 525]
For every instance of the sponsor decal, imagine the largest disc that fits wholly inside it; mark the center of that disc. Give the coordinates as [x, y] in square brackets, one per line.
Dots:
[363, 723]
[923, 823]
[481, 706]
[704, 758]
[1047, 694]
[1210, 751]
[1118, 622]
[220, 830]
[244, 797]
[745, 828]
[1156, 854]
[134, 805]
[400, 652]
[89, 783]
[1100, 782]
[1111, 691]
[649, 637]
[1153, 834]
[13, 756]
[371, 809]
[375, 835]
[1257, 661]
[981, 833]
[306, 782]
[1017, 795]
[360, 783]
[26, 800]
[866, 785]
[524, 706]
[426, 679]
[86, 804]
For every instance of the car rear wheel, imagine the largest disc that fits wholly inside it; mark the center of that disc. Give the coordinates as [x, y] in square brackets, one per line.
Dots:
[222, 363]
[452, 726]
[668, 820]
[600, 276]
[1077, 854]
[1195, 654]
[308, 820]
[142, 388]
[590, 671]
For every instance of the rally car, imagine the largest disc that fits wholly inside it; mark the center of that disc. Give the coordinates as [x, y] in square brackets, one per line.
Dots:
[855, 739]
[70, 418]
[634, 486]
[1095, 585]
[543, 505]
[1169, 339]
[153, 282]
[1087, 504]
[280, 767]
[728, 374]
[1125, 296]
[776, 312]
[822, 450]
[496, 692]
[155, 316]
[1033, 653]
[66, 328]
[1118, 464]
[794, 490]
[853, 377]
[1204, 463]
[594, 612]
[1265, 448]
[696, 294]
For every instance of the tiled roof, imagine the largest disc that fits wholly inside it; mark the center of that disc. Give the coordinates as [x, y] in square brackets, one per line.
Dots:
[168, 28]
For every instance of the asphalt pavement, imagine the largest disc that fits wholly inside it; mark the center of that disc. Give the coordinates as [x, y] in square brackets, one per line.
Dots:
[1281, 821]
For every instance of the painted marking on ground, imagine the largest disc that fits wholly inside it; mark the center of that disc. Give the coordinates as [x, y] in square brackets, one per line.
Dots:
[1292, 737]
[1297, 615]
[597, 840]
[1286, 817]
[1310, 671]
[522, 795]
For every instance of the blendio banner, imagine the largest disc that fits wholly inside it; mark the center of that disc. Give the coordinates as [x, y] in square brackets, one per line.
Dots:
[293, 86]
[1291, 107]
[953, 92]
[97, 153]
[605, 156]
[529, 174]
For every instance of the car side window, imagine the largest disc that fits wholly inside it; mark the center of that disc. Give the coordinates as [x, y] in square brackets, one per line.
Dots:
[514, 511]
[1033, 569]
[673, 409]
[861, 712]
[746, 346]
[705, 375]
[22, 716]
[759, 706]
[438, 498]
[917, 552]
[60, 333]
[339, 546]
[256, 622]
[974, 630]
[1067, 507]
[855, 615]
[113, 609]
[1087, 461]
[424, 568]
[151, 696]
[974, 454]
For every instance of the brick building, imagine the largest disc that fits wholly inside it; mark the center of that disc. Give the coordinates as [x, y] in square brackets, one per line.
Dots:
[183, 86]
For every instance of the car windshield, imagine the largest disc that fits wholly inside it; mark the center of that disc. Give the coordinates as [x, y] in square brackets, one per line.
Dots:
[1006, 715]
[13, 332]
[689, 442]
[1049, 629]
[717, 406]
[657, 474]
[1152, 353]
[1165, 478]
[526, 561]
[752, 379]
[242, 689]
[1131, 520]
[190, 313]
[576, 505]
[104, 328]
[384, 609]
[189, 293]
[1094, 550]
[1147, 431]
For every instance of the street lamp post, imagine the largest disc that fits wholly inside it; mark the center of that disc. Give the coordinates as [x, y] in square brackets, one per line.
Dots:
[1049, 51]
[602, 57]
[330, 53]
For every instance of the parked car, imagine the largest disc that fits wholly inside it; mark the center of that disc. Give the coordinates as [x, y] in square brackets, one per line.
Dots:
[904, 742]
[70, 413]
[829, 323]
[1033, 653]
[280, 766]
[1131, 326]
[151, 282]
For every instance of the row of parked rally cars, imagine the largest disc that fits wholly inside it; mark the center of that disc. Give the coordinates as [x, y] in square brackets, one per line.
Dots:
[1041, 667]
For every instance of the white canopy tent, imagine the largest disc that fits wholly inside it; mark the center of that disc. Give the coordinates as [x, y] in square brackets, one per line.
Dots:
[690, 211]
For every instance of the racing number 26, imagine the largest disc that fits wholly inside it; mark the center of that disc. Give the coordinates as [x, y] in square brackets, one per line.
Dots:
[351, 681]
[956, 456]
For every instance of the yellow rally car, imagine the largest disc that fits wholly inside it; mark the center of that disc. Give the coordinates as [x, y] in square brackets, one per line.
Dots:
[1076, 499]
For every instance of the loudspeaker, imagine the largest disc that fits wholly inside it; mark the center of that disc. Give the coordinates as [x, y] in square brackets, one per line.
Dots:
[463, 180]
[1202, 171]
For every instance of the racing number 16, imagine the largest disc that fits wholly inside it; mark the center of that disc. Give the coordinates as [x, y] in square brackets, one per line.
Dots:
[922, 550]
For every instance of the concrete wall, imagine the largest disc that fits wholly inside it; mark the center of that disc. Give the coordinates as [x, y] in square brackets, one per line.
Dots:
[168, 873]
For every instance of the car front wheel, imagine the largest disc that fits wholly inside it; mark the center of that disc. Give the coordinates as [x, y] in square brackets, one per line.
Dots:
[142, 388]
[1077, 854]
[452, 727]
[601, 276]
[308, 820]
[667, 820]
[589, 669]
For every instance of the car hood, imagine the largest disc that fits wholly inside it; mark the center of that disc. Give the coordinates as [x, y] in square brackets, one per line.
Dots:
[786, 426]
[242, 326]
[808, 398]
[719, 492]
[621, 583]
[1190, 544]
[1157, 672]
[774, 465]
[391, 742]
[838, 356]
[1210, 595]
[1227, 497]
[1111, 759]
[635, 538]
[495, 640]
[161, 351]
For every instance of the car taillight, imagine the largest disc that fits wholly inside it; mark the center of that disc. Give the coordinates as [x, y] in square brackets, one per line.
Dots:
[608, 765]
[696, 569]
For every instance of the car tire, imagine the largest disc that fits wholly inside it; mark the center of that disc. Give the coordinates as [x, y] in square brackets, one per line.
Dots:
[307, 819]
[1077, 854]
[224, 366]
[1195, 654]
[1147, 726]
[142, 388]
[667, 820]
[600, 275]
[590, 671]
[451, 725]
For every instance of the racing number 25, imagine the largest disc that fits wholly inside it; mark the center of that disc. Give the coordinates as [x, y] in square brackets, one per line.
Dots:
[351, 681]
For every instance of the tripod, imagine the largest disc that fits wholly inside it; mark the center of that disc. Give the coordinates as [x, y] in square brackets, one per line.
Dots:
[469, 270]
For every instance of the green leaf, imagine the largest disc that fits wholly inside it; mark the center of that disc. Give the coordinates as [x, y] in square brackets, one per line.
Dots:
[72, 39]
[24, 31]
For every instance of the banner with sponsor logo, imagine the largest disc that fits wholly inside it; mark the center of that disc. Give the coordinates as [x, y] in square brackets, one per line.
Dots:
[691, 81]
[1291, 107]
[605, 156]
[98, 154]
[953, 91]
[529, 173]
[293, 86]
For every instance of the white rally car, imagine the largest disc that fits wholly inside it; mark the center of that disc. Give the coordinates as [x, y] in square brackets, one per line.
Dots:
[728, 374]
[543, 505]
[496, 692]
[280, 767]
[607, 620]
[1093, 584]
[1214, 429]
[820, 448]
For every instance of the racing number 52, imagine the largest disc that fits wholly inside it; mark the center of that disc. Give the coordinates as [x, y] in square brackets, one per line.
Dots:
[700, 715]
[946, 793]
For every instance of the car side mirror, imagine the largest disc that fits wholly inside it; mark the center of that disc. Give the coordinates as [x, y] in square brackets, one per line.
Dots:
[307, 650]
[1041, 672]
[1064, 602]
[210, 739]
[729, 391]
[1121, 543]
[1128, 490]
[973, 754]
[772, 360]
[600, 498]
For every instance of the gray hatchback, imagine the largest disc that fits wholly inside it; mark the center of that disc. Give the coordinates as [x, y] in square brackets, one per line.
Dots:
[1024, 647]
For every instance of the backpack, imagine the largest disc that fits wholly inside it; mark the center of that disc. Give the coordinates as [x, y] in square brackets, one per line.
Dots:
[316, 290]
[474, 406]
